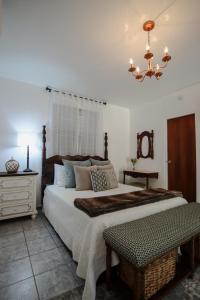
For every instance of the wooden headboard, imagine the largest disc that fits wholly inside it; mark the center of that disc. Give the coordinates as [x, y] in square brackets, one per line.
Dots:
[48, 163]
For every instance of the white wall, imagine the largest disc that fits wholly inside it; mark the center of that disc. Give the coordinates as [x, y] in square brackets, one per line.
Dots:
[24, 107]
[117, 124]
[154, 116]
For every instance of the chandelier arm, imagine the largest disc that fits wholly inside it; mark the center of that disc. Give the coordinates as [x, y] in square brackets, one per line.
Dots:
[134, 74]
[143, 71]
[141, 80]
[164, 65]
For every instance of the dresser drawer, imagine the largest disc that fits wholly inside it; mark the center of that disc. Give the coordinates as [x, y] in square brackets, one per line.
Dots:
[13, 210]
[17, 195]
[12, 196]
[7, 183]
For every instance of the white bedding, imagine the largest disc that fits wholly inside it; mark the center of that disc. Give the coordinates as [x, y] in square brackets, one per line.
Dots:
[83, 235]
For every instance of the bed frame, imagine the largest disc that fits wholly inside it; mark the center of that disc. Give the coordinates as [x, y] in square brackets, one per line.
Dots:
[48, 163]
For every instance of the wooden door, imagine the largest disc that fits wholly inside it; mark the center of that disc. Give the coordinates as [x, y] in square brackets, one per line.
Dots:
[182, 156]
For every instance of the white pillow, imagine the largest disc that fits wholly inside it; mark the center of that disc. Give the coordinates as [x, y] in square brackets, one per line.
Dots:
[60, 176]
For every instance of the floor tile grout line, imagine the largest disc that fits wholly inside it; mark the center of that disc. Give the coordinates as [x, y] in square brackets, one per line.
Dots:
[10, 233]
[6, 247]
[38, 238]
[45, 251]
[11, 261]
[49, 231]
[28, 253]
[14, 233]
[51, 269]
[55, 242]
[32, 229]
[46, 226]
[51, 234]
[9, 285]
[22, 230]
[31, 266]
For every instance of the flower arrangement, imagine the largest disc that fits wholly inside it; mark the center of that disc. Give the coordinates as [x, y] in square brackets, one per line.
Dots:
[134, 161]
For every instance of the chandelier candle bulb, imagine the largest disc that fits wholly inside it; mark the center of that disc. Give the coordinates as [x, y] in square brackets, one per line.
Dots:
[166, 56]
[166, 50]
[138, 76]
[158, 73]
[147, 47]
[138, 70]
[131, 61]
[132, 68]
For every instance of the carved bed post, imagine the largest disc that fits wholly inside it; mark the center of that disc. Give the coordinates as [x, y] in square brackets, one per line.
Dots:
[106, 146]
[43, 160]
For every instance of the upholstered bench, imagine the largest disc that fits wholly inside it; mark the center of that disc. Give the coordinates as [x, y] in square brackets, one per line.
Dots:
[147, 247]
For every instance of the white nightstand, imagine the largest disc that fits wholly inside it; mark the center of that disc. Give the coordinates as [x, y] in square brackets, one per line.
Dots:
[17, 195]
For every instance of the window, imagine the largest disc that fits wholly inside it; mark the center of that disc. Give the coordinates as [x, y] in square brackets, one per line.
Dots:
[75, 126]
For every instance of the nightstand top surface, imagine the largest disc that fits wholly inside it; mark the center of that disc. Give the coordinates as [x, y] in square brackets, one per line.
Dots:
[5, 174]
[140, 171]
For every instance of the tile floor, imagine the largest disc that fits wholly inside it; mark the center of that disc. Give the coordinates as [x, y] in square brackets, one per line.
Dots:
[35, 265]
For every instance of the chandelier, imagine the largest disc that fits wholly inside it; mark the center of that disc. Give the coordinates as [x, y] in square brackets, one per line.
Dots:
[152, 70]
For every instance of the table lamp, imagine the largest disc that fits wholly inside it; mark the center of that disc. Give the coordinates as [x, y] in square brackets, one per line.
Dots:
[27, 140]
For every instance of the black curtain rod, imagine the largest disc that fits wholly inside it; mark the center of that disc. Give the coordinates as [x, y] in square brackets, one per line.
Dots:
[50, 89]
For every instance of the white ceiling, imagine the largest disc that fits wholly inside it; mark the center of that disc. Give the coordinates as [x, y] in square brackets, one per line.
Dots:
[85, 45]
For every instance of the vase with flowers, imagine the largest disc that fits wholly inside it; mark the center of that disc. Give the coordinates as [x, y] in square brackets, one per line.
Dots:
[134, 161]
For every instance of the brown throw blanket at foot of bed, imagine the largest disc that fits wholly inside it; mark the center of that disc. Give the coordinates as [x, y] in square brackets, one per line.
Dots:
[106, 204]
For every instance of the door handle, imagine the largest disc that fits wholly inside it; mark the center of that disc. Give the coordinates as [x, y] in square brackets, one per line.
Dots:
[169, 161]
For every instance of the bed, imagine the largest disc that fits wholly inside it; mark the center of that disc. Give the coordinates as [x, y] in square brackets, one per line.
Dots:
[81, 233]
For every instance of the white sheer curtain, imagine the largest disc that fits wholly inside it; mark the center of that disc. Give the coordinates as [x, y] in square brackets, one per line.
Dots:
[75, 126]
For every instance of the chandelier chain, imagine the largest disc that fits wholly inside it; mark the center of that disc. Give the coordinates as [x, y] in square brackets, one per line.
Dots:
[149, 38]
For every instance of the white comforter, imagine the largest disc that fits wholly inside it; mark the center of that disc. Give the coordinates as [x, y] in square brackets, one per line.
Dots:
[83, 235]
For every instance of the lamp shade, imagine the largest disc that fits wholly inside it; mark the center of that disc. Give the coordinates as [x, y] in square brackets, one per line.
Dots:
[25, 139]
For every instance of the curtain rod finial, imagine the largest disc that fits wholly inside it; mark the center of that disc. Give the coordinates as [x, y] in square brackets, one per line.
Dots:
[48, 89]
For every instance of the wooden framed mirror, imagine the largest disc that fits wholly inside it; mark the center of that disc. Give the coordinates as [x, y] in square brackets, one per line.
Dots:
[145, 144]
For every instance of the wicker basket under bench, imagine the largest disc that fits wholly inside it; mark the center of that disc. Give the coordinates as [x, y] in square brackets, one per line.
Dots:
[147, 248]
[145, 282]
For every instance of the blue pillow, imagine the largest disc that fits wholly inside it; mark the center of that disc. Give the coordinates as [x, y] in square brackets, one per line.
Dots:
[69, 169]
[96, 162]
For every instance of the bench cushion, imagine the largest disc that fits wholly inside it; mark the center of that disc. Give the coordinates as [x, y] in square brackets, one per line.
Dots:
[142, 241]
